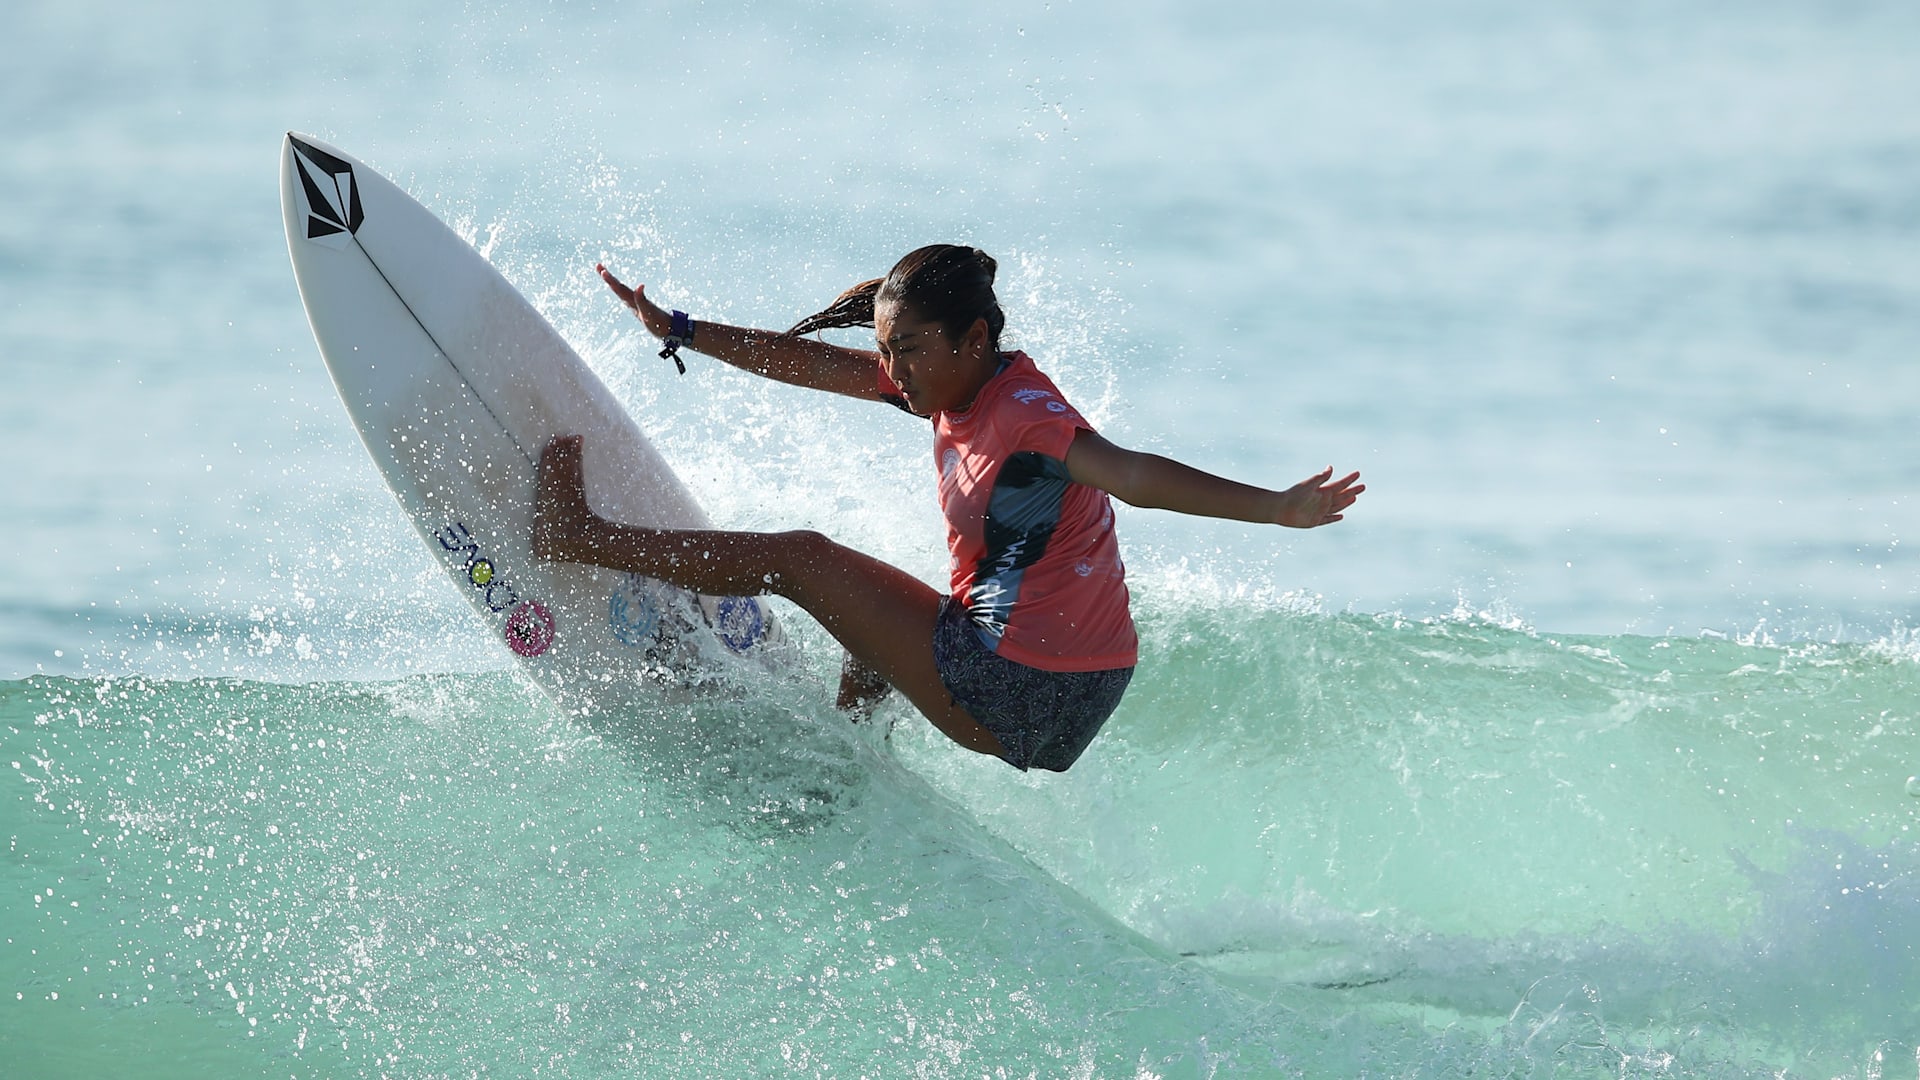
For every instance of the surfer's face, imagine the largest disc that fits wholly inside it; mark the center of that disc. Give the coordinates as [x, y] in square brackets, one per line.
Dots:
[934, 372]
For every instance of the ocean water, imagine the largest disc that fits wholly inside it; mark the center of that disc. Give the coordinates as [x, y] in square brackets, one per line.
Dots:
[1585, 747]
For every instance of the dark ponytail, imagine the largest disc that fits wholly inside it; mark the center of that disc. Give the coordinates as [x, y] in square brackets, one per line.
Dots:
[941, 283]
[851, 308]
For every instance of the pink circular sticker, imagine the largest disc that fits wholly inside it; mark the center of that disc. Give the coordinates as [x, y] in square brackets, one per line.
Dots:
[530, 629]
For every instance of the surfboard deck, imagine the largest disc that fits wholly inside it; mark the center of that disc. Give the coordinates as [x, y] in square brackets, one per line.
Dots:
[456, 383]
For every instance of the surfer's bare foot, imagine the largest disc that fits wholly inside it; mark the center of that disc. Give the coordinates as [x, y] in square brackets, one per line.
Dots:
[560, 513]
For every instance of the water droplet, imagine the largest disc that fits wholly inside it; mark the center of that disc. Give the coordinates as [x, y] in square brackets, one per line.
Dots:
[1913, 786]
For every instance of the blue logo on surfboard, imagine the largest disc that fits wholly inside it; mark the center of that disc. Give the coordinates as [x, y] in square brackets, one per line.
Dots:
[634, 610]
[742, 624]
[638, 613]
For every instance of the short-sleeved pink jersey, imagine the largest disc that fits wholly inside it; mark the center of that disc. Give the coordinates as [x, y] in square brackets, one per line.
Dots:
[1035, 560]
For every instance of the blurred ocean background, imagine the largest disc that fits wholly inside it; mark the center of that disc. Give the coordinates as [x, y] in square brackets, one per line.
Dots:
[1585, 747]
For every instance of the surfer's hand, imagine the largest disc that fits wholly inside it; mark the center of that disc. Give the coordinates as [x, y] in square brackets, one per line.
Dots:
[658, 321]
[1318, 500]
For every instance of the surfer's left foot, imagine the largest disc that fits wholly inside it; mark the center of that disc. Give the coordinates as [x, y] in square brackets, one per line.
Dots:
[560, 512]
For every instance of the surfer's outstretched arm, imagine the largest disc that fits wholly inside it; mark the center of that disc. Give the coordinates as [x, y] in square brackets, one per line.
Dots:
[1149, 480]
[787, 358]
[883, 615]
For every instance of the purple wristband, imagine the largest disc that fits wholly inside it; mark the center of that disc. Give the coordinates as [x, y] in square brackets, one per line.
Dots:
[678, 334]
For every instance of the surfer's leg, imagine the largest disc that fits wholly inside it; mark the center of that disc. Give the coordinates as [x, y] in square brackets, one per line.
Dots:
[883, 615]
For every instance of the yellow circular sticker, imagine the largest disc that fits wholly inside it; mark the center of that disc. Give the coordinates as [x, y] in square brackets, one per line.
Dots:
[480, 572]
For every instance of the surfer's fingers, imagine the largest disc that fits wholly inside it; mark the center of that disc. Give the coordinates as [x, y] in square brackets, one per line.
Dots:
[651, 315]
[1316, 482]
[619, 287]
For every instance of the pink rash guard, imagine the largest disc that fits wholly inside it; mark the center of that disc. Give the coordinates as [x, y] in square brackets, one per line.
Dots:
[1035, 560]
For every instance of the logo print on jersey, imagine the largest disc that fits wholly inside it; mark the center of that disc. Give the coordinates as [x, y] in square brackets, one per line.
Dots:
[333, 199]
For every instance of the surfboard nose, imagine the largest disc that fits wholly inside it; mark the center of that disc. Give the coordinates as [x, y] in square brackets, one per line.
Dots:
[322, 181]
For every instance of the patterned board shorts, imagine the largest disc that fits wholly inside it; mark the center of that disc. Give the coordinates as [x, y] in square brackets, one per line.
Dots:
[1043, 719]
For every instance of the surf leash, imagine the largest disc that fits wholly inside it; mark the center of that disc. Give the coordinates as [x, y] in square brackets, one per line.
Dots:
[680, 333]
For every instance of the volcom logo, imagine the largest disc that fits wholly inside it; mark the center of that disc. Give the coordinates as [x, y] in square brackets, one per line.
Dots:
[333, 199]
[949, 461]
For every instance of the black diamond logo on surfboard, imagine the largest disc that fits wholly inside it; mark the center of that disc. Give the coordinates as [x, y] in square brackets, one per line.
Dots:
[333, 199]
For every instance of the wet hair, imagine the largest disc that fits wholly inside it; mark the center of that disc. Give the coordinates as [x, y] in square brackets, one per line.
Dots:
[941, 283]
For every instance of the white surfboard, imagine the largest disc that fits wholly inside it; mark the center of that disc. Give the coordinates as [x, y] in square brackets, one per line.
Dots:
[456, 383]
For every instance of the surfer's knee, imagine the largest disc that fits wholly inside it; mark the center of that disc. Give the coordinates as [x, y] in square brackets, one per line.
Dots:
[802, 555]
[802, 549]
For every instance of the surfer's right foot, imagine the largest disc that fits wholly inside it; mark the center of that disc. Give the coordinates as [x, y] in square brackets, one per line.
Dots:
[560, 512]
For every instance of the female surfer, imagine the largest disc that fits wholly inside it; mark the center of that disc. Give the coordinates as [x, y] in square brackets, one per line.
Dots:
[1030, 652]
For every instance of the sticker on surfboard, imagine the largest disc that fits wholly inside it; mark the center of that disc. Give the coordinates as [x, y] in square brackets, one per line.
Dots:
[636, 611]
[332, 198]
[741, 623]
[530, 626]
[645, 613]
[530, 629]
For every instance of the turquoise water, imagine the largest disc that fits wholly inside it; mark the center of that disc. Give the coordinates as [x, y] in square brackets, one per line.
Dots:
[1466, 850]
[1584, 747]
